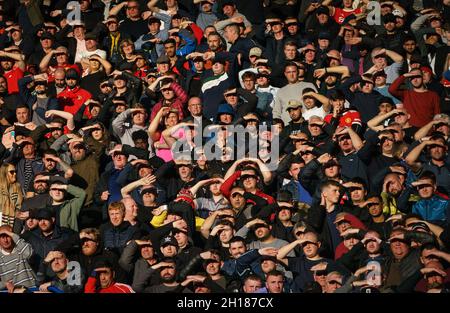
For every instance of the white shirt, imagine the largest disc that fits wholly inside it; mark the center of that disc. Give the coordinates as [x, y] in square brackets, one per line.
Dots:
[314, 111]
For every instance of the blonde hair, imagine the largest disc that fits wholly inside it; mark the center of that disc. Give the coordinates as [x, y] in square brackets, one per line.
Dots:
[117, 206]
[11, 196]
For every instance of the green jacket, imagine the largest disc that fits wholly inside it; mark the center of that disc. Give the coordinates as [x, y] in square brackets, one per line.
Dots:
[68, 216]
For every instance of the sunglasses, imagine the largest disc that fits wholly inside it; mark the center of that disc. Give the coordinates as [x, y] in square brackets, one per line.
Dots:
[321, 273]
[398, 240]
[183, 165]
[424, 186]
[304, 244]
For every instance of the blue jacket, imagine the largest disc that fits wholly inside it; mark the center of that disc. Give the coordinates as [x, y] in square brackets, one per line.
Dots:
[435, 209]
[246, 264]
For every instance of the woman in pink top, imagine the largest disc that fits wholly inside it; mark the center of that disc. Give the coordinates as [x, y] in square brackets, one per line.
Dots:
[170, 117]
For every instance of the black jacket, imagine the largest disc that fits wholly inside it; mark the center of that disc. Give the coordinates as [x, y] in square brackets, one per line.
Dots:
[72, 249]
[116, 237]
[42, 245]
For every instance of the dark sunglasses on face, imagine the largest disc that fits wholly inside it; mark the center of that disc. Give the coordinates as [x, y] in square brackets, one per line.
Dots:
[424, 186]
[304, 244]
[321, 273]
[398, 240]
[244, 177]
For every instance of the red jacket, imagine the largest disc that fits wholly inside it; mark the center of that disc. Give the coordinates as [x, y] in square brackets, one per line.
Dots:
[70, 100]
[90, 287]
[181, 97]
[228, 185]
